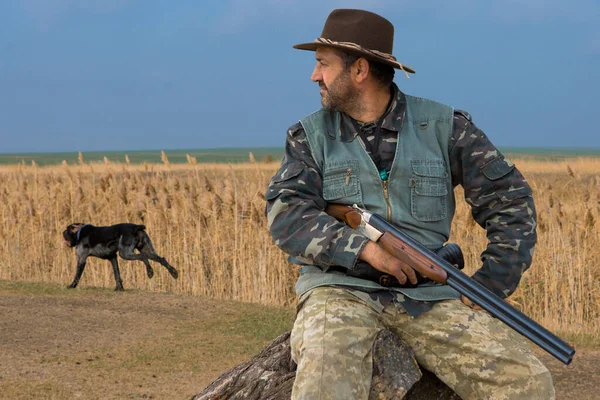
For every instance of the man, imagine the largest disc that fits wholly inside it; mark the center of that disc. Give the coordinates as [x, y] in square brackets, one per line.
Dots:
[399, 156]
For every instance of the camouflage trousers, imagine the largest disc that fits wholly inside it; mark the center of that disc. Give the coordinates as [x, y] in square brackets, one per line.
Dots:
[473, 353]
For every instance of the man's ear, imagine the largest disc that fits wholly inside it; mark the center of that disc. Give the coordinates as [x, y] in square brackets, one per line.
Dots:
[361, 71]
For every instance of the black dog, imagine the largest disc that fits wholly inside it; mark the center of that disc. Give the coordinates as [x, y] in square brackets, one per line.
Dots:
[105, 241]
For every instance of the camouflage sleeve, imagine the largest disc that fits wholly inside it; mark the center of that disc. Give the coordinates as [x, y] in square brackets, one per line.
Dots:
[501, 202]
[295, 215]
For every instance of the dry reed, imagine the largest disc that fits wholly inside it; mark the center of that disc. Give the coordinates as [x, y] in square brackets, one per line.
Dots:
[208, 221]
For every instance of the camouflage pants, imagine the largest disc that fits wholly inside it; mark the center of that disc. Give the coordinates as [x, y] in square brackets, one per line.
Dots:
[476, 355]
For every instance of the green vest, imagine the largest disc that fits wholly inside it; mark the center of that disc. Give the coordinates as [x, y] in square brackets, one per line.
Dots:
[417, 197]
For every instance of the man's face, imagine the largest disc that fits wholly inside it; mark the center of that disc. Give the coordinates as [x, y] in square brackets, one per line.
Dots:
[337, 89]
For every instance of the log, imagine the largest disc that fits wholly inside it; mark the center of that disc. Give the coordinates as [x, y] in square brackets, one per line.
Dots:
[270, 375]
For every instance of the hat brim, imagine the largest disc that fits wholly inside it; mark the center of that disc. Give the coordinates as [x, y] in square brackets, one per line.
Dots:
[352, 50]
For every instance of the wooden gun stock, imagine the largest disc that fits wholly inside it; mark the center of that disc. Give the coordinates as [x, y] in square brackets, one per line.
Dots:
[392, 244]
[416, 260]
[345, 214]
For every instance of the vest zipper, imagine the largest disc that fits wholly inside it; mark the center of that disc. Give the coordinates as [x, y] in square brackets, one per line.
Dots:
[387, 199]
[384, 178]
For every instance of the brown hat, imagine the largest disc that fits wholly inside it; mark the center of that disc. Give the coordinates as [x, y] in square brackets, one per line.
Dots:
[361, 33]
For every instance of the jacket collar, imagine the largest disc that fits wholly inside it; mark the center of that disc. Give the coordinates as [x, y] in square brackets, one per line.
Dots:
[392, 121]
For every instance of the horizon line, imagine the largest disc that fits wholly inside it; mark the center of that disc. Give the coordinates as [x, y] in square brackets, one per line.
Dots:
[280, 148]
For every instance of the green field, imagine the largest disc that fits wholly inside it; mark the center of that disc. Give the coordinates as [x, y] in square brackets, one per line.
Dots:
[240, 155]
[550, 153]
[225, 155]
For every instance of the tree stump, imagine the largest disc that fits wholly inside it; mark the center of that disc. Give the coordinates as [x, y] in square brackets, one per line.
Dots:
[270, 375]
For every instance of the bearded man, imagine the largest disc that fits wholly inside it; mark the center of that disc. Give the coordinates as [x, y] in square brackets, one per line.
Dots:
[399, 156]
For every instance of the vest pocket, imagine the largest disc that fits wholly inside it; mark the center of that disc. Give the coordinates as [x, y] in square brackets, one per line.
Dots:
[340, 182]
[428, 190]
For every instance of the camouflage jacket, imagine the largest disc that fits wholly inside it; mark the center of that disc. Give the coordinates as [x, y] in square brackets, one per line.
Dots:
[498, 194]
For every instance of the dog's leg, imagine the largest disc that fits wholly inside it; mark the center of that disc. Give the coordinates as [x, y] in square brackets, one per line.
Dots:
[164, 263]
[126, 252]
[80, 268]
[118, 279]
[147, 250]
[149, 269]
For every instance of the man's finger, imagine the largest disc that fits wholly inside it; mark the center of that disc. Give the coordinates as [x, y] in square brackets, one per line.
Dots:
[400, 276]
[469, 303]
[410, 273]
[404, 274]
[466, 301]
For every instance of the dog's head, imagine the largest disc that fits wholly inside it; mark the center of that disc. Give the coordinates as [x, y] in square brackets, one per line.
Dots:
[70, 234]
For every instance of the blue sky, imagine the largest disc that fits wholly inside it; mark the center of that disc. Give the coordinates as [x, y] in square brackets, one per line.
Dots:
[84, 75]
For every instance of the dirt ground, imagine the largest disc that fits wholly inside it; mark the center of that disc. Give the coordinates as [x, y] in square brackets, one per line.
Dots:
[96, 344]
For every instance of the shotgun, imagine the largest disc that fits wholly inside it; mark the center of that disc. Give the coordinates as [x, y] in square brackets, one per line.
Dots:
[430, 265]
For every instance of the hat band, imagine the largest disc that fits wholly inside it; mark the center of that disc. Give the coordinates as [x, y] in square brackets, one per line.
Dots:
[358, 47]
[354, 46]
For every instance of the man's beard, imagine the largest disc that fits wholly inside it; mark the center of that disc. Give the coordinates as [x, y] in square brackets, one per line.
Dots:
[340, 95]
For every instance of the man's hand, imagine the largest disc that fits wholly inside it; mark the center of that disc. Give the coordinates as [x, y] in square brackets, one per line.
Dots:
[469, 303]
[383, 261]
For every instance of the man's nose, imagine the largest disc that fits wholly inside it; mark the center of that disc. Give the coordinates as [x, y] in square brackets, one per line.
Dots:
[316, 75]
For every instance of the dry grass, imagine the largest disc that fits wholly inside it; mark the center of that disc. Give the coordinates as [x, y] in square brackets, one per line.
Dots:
[562, 288]
[208, 221]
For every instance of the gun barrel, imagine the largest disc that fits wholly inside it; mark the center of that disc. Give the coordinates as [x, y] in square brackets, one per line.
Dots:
[485, 298]
[519, 322]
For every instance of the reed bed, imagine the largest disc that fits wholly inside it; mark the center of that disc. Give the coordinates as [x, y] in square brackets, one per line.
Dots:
[208, 221]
